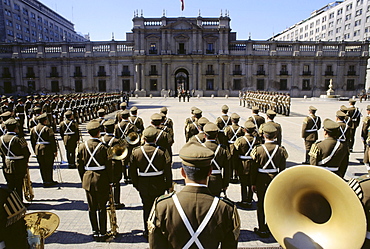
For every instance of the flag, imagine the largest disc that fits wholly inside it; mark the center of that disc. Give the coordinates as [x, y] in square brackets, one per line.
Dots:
[182, 5]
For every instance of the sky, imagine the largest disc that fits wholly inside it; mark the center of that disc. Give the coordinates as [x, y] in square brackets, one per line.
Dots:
[260, 19]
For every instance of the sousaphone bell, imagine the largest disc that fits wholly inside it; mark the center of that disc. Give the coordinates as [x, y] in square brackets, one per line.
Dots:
[118, 152]
[310, 207]
[133, 138]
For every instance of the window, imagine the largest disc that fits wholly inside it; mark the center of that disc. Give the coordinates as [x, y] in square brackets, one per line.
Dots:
[349, 7]
[306, 84]
[324, 19]
[323, 27]
[348, 17]
[16, 7]
[209, 84]
[153, 70]
[55, 86]
[26, 21]
[8, 87]
[33, 16]
[181, 48]
[30, 73]
[358, 22]
[331, 15]
[153, 48]
[283, 84]
[101, 71]
[260, 69]
[356, 33]
[210, 49]
[350, 84]
[102, 86]
[54, 72]
[306, 68]
[237, 70]
[340, 11]
[339, 20]
[153, 85]
[359, 2]
[317, 22]
[9, 23]
[237, 84]
[338, 30]
[260, 84]
[78, 86]
[78, 72]
[126, 85]
[17, 17]
[210, 70]
[359, 12]
[25, 12]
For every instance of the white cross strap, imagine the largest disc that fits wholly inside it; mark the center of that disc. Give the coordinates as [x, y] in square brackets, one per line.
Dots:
[270, 161]
[327, 159]
[159, 136]
[92, 157]
[150, 164]
[225, 122]
[133, 122]
[68, 130]
[196, 126]
[315, 126]
[40, 140]
[10, 155]
[232, 140]
[342, 137]
[218, 170]
[207, 218]
[247, 154]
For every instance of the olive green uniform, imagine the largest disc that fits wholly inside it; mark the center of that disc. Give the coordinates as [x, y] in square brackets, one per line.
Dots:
[70, 134]
[311, 124]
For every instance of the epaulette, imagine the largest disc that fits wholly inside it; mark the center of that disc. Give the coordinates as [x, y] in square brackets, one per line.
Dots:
[164, 197]
[227, 201]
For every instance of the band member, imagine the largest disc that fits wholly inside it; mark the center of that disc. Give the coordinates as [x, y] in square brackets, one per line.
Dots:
[243, 161]
[110, 141]
[136, 120]
[256, 118]
[330, 153]
[311, 124]
[123, 107]
[19, 114]
[167, 121]
[95, 171]
[15, 151]
[70, 134]
[35, 114]
[101, 119]
[270, 116]
[220, 175]
[200, 137]
[355, 115]
[269, 159]
[163, 138]
[175, 217]
[123, 128]
[222, 122]
[45, 147]
[150, 171]
[191, 124]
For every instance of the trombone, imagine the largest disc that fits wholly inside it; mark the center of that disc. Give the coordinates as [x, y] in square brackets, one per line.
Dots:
[27, 186]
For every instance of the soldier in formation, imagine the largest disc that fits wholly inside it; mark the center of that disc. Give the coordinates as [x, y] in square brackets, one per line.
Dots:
[278, 102]
[311, 124]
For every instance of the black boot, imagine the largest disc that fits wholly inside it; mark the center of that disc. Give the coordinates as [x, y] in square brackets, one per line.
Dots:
[94, 224]
[103, 225]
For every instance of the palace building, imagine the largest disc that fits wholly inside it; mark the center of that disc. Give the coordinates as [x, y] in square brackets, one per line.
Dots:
[161, 55]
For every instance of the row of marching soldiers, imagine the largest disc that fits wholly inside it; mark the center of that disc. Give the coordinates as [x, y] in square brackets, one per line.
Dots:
[264, 100]
[252, 153]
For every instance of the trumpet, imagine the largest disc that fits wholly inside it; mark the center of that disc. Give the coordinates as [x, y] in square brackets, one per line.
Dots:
[27, 186]
[112, 214]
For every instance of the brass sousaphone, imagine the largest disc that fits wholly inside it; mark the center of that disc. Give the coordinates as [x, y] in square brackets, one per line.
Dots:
[118, 152]
[310, 207]
[133, 138]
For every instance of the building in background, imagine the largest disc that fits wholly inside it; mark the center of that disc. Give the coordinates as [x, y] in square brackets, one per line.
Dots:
[31, 21]
[163, 55]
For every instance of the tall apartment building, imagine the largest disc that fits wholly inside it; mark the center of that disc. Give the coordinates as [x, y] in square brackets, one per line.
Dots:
[31, 21]
[347, 20]
[164, 54]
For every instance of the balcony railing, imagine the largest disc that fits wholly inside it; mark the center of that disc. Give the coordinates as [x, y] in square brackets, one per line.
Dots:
[102, 74]
[153, 51]
[153, 72]
[284, 72]
[210, 72]
[210, 51]
[181, 51]
[260, 72]
[125, 73]
[351, 73]
[237, 72]
[306, 73]
[77, 74]
[54, 74]
[329, 73]
[7, 75]
[30, 75]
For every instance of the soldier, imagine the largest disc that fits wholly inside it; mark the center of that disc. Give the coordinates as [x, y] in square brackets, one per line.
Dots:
[166, 128]
[167, 121]
[243, 161]
[123, 128]
[70, 134]
[330, 153]
[15, 151]
[5, 106]
[269, 159]
[28, 105]
[11, 103]
[222, 122]
[110, 141]
[355, 115]
[365, 137]
[44, 145]
[270, 116]
[19, 115]
[95, 170]
[256, 118]
[344, 132]
[35, 114]
[163, 138]
[101, 120]
[220, 175]
[191, 124]
[150, 172]
[200, 137]
[122, 106]
[232, 132]
[136, 120]
[311, 124]
[175, 217]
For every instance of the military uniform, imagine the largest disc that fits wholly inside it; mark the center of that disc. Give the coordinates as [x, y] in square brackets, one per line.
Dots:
[123, 128]
[15, 151]
[220, 175]
[311, 124]
[150, 170]
[256, 118]
[222, 122]
[70, 134]
[45, 147]
[20, 116]
[175, 217]
[270, 120]
[243, 161]
[95, 170]
[365, 132]
[269, 159]
[330, 153]
[191, 124]
[166, 121]
[355, 115]
[135, 120]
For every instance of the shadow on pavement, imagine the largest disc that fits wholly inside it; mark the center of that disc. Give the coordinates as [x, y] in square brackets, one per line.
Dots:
[176, 165]
[247, 235]
[59, 237]
[72, 205]
[135, 236]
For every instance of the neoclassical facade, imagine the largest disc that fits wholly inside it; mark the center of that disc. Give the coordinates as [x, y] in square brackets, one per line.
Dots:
[161, 55]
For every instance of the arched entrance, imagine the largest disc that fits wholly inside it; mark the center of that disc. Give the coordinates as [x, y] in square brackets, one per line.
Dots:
[181, 80]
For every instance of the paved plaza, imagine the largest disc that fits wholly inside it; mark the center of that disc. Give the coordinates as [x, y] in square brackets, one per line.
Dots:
[69, 203]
